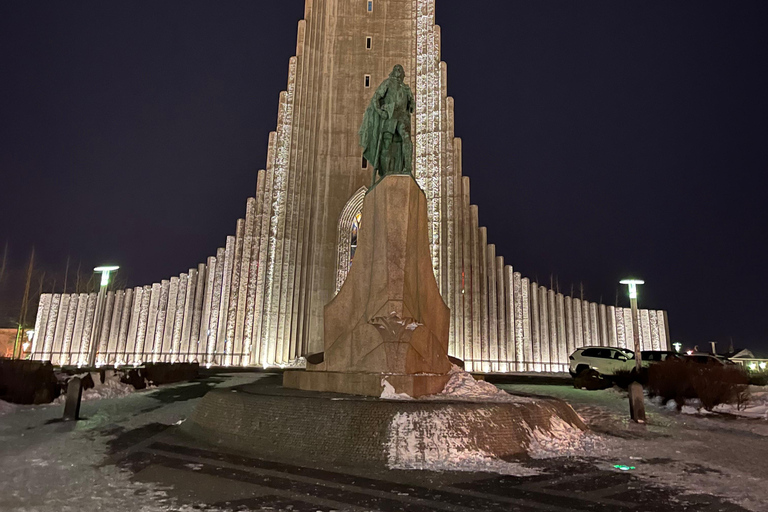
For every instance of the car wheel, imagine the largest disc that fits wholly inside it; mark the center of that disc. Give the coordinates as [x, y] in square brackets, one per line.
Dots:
[581, 368]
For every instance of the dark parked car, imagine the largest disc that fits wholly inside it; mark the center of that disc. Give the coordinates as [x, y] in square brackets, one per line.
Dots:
[650, 357]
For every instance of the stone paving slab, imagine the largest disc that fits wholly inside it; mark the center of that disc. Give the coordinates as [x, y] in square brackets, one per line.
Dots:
[208, 477]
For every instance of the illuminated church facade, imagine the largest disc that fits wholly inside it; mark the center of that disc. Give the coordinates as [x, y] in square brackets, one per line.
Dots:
[258, 301]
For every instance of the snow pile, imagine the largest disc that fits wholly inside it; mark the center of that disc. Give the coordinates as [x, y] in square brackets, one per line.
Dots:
[111, 388]
[388, 393]
[462, 386]
[755, 408]
[441, 441]
[562, 440]
[6, 408]
[297, 363]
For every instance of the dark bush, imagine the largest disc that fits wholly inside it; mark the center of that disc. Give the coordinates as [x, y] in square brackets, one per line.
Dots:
[623, 378]
[670, 380]
[716, 384]
[591, 381]
[712, 383]
[758, 379]
[27, 382]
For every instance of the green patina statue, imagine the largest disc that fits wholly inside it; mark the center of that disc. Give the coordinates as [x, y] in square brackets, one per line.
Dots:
[386, 131]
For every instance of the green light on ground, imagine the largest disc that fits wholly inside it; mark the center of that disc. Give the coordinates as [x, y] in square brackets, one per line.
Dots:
[624, 468]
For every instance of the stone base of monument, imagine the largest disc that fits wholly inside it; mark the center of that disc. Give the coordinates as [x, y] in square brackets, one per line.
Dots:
[269, 421]
[367, 384]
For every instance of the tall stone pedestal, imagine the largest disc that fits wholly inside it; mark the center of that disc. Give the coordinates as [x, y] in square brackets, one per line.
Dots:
[388, 320]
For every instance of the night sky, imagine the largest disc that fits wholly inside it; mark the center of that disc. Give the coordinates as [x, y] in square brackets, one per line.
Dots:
[602, 139]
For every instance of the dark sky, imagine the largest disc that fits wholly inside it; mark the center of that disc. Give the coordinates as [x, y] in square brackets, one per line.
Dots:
[602, 139]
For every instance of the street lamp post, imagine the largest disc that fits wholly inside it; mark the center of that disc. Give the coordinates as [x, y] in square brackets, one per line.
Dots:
[636, 404]
[105, 271]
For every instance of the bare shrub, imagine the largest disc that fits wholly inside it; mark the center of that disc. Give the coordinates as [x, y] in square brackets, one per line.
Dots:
[671, 380]
[716, 384]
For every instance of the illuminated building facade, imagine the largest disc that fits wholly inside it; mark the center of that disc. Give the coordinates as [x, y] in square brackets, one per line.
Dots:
[259, 300]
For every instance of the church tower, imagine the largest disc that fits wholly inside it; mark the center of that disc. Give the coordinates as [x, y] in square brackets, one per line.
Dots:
[259, 300]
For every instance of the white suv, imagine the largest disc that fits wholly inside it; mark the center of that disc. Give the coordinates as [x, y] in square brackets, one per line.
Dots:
[604, 360]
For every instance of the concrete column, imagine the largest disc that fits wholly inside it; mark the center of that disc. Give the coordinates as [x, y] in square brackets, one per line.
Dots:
[611, 322]
[58, 319]
[562, 344]
[114, 330]
[206, 350]
[73, 357]
[55, 316]
[213, 325]
[535, 327]
[125, 328]
[39, 351]
[178, 321]
[645, 330]
[654, 323]
[509, 319]
[493, 311]
[162, 321]
[242, 350]
[544, 334]
[570, 338]
[150, 349]
[621, 332]
[467, 275]
[196, 337]
[106, 324]
[594, 326]
[166, 344]
[251, 335]
[484, 327]
[602, 317]
[527, 340]
[224, 345]
[476, 291]
[189, 311]
[140, 352]
[517, 296]
[628, 331]
[578, 329]
[554, 355]
[586, 323]
[233, 348]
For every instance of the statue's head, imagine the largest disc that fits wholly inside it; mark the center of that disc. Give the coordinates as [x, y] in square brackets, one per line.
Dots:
[398, 72]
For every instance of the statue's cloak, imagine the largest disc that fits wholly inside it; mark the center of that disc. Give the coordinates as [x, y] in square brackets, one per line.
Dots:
[371, 132]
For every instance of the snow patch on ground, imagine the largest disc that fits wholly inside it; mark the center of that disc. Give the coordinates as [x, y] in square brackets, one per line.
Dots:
[389, 393]
[563, 440]
[441, 441]
[7, 408]
[111, 388]
[463, 386]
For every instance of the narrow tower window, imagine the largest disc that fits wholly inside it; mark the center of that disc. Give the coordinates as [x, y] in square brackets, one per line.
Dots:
[367, 80]
[368, 43]
[365, 163]
[370, 5]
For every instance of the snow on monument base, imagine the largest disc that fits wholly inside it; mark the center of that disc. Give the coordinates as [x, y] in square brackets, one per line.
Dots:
[440, 433]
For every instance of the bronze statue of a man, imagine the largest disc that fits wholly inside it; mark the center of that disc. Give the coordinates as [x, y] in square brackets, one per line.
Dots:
[386, 131]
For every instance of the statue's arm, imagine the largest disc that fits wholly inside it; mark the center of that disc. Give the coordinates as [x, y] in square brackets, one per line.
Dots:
[411, 102]
[378, 96]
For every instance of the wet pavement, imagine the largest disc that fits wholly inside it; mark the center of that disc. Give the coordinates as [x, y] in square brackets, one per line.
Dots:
[210, 479]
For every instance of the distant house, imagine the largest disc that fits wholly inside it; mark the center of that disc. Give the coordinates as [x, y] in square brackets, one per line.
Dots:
[746, 358]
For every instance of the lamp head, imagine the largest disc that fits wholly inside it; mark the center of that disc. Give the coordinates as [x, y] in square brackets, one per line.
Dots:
[632, 283]
[105, 271]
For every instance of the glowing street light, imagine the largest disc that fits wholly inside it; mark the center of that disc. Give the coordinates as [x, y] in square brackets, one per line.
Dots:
[678, 346]
[106, 271]
[636, 405]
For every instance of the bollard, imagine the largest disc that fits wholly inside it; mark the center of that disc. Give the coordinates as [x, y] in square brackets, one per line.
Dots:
[72, 403]
[636, 403]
